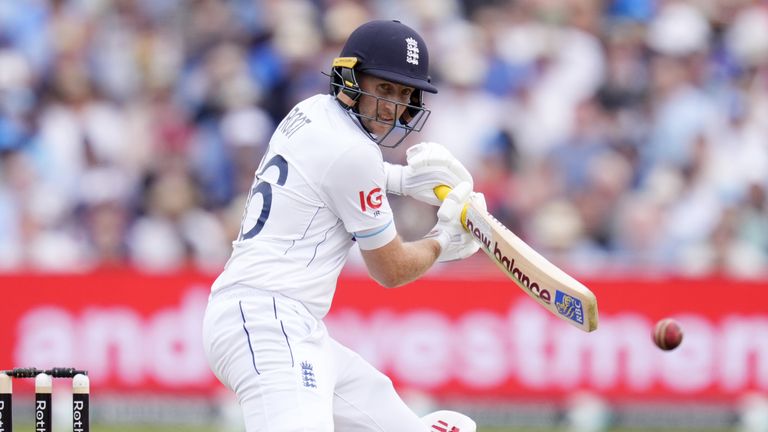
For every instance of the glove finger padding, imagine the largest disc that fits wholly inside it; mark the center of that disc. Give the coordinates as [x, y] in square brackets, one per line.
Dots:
[431, 165]
[424, 148]
[454, 202]
[455, 242]
[429, 154]
[422, 153]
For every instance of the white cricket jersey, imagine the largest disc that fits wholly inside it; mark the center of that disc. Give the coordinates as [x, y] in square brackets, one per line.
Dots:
[320, 187]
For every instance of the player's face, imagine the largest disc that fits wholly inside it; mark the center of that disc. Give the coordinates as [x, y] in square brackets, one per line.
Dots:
[383, 111]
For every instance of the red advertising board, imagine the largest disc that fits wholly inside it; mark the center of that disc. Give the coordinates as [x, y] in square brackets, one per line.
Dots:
[446, 336]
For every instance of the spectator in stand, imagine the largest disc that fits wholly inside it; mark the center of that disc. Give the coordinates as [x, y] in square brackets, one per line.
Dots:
[185, 93]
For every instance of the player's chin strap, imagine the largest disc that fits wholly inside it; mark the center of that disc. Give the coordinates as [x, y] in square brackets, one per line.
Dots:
[345, 101]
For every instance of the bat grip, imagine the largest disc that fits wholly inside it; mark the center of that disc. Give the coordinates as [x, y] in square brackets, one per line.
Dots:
[442, 191]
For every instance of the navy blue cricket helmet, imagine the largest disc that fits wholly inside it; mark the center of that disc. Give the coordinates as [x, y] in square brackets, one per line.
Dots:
[392, 51]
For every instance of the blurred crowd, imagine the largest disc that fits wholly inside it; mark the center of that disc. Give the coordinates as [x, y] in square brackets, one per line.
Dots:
[613, 136]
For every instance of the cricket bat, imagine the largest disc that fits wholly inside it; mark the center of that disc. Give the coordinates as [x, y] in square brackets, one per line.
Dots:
[543, 281]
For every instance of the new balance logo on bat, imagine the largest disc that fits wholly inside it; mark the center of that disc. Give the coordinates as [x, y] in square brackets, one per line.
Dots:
[506, 262]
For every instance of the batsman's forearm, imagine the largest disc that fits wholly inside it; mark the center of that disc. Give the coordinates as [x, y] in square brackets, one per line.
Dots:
[404, 262]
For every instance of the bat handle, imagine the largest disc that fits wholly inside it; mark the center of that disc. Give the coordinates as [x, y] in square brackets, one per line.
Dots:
[442, 191]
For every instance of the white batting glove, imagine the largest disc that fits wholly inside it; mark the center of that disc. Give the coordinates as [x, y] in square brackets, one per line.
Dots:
[455, 242]
[429, 165]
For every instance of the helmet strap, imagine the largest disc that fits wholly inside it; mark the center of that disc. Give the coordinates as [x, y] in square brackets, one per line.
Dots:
[346, 101]
[349, 91]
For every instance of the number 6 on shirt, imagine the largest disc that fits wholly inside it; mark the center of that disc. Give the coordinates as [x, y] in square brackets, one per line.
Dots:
[265, 189]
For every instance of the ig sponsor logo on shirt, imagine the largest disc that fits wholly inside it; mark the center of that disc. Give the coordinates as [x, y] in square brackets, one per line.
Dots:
[371, 199]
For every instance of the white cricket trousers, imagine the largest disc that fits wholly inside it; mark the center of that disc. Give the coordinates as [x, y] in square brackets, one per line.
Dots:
[289, 375]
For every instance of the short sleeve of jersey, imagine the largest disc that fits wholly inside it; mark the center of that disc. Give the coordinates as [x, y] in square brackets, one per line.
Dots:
[356, 189]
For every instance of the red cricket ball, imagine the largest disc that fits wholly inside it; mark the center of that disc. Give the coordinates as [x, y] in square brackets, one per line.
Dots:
[667, 334]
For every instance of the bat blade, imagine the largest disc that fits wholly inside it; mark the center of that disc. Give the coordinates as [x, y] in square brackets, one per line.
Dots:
[547, 284]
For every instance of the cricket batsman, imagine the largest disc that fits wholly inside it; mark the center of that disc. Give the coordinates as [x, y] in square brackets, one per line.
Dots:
[322, 187]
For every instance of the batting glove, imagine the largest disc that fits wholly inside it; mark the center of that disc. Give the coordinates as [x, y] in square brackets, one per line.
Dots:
[429, 165]
[455, 242]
